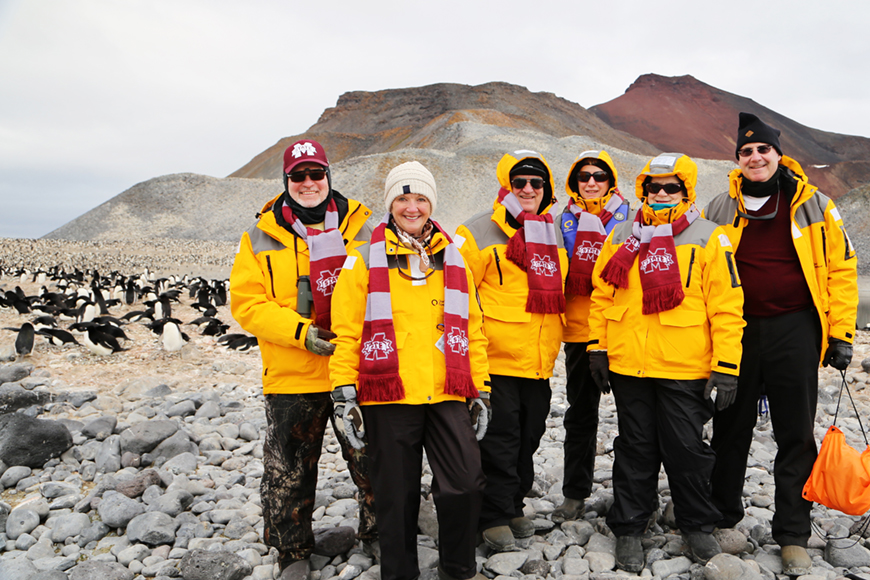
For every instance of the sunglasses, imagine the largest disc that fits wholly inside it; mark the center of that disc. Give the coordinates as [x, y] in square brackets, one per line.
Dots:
[762, 150]
[670, 188]
[520, 182]
[314, 174]
[598, 176]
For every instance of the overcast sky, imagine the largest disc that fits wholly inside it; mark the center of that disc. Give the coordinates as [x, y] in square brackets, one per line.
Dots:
[98, 95]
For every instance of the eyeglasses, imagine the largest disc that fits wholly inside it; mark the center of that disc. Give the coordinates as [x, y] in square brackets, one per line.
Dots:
[520, 182]
[314, 174]
[599, 176]
[670, 188]
[762, 150]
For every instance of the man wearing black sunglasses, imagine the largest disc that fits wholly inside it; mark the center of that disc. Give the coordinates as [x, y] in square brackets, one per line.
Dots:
[798, 270]
[281, 288]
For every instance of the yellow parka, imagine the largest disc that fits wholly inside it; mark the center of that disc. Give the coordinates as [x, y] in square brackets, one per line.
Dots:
[418, 320]
[826, 255]
[263, 298]
[702, 334]
[521, 344]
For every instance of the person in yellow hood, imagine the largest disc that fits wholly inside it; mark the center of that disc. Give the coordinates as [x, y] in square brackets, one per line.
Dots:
[595, 207]
[281, 292]
[664, 331]
[783, 229]
[517, 258]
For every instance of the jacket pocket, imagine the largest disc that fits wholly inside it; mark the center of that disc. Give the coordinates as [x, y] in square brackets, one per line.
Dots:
[682, 318]
[506, 313]
[615, 313]
[401, 337]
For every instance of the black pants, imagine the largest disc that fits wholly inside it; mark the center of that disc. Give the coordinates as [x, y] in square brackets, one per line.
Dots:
[519, 418]
[661, 422]
[291, 450]
[780, 359]
[581, 423]
[396, 436]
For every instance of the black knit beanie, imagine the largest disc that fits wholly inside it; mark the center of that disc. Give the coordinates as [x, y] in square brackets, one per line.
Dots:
[753, 130]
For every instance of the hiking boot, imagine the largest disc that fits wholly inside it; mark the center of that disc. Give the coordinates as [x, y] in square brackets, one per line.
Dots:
[795, 561]
[296, 571]
[702, 545]
[629, 553]
[499, 538]
[571, 509]
[522, 527]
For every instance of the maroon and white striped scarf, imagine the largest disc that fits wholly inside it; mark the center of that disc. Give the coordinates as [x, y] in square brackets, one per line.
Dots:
[533, 249]
[379, 378]
[326, 255]
[659, 270]
[587, 243]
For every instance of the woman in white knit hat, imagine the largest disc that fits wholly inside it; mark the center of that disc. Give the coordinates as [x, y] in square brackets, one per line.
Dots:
[411, 352]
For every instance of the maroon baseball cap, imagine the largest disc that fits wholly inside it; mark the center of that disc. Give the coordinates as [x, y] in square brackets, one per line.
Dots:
[304, 151]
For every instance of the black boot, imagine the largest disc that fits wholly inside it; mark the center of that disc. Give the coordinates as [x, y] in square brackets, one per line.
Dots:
[629, 553]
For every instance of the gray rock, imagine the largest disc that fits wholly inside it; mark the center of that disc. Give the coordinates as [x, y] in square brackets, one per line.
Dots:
[730, 540]
[101, 427]
[69, 526]
[208, 410]
[182, 409]
[53, 489]
[158, 392]
[94, 570]
[582, 566]
[600, 561]
[865, 364]
[31, 442]
[77, 397]
[145, 436]
[50, 575]
[15, 372]
[209, 565]
[538, 568]
[152, 528]
[506, 563]
[14, 474]
[172, 502]
[601, 543]
[14, 397]
[21, 521]
[174, 445]
[93, 533]
[427, 558]
[5, 509]
[334, 541]
[135, 487]
[108, 458]
[116, 509]
[248, 432]
[183, 463]
[578, 532]
[17, 569]
[664, 568]
[728, 567]
[24, 542]
[846, 553]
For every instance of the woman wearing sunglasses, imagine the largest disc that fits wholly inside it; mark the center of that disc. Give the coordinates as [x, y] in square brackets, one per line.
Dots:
[595, 207]
[411, 351]
[665, 327]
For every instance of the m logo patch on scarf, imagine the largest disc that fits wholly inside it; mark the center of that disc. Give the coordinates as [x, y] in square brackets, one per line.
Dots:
[545, 265]
[588, 251]
[457, 341]
[327, 280]
[658, 259]
[378, 347]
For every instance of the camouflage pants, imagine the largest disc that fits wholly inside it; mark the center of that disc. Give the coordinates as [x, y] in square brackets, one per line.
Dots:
[291, 451]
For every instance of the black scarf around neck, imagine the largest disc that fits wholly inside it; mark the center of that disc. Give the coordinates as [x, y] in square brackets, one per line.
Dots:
[309, 215]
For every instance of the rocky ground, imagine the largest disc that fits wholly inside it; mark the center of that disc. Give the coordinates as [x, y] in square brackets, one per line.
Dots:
[162, 459]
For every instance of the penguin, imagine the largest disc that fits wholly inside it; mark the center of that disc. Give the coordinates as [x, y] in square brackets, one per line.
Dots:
[172, 338]
[214, 328]
[100, 343]
[24, 340]
[57, 336]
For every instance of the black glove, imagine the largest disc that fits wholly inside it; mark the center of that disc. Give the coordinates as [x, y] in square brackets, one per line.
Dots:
[317, 341]
[599, 364]
[481, 412]
[838, 355]
[726, 389]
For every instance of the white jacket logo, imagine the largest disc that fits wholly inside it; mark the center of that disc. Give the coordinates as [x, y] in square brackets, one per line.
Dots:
[378, 347]
[457, 341]
[659, 259]
[303, 148]
[326, 282]
[544, 265]
[588, 251]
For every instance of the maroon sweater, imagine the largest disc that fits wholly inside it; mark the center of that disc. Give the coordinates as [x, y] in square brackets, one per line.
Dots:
[773, 282]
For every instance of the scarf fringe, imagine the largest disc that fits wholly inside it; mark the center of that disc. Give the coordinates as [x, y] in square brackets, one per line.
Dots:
[460, 384]
[615, 273]
[577, 284]
[380, 388]
[662, 298]
[545, 302]
[516, 249]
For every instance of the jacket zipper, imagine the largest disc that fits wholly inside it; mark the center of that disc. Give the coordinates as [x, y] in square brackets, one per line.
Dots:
[691, 263]
[271, 276]
[497, 266]
[824, 248]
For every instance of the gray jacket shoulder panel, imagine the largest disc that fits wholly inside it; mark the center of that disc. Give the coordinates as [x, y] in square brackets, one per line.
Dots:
[365, 233]
[698, 233]
[812, 211]
[721, 209]
[486, 232]
[263, 242]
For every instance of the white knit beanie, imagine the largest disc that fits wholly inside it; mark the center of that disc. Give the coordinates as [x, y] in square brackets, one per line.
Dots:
[407, 178]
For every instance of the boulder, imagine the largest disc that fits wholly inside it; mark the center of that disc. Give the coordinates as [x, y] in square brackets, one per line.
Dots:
[145, 436]
[31, 442]
[210, 565]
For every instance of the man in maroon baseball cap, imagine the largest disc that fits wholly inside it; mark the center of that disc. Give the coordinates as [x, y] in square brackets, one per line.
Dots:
[281, 289]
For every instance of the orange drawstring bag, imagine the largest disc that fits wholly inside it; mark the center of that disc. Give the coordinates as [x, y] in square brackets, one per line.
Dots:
[841, 476]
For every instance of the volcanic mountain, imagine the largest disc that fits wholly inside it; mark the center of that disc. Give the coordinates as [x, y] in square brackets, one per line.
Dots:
[687, 115]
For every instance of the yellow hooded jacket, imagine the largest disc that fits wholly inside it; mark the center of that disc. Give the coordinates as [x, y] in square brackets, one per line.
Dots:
[268, 263]
[826, 255]
[703, 333]
[418, 320]
[521, 344]
[577, 307]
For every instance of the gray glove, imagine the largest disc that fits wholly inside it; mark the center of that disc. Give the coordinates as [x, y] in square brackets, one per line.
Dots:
[481, 413]
[599, 365]
[348, 415]
[317, 341]
[838, 355]
[726, 389]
